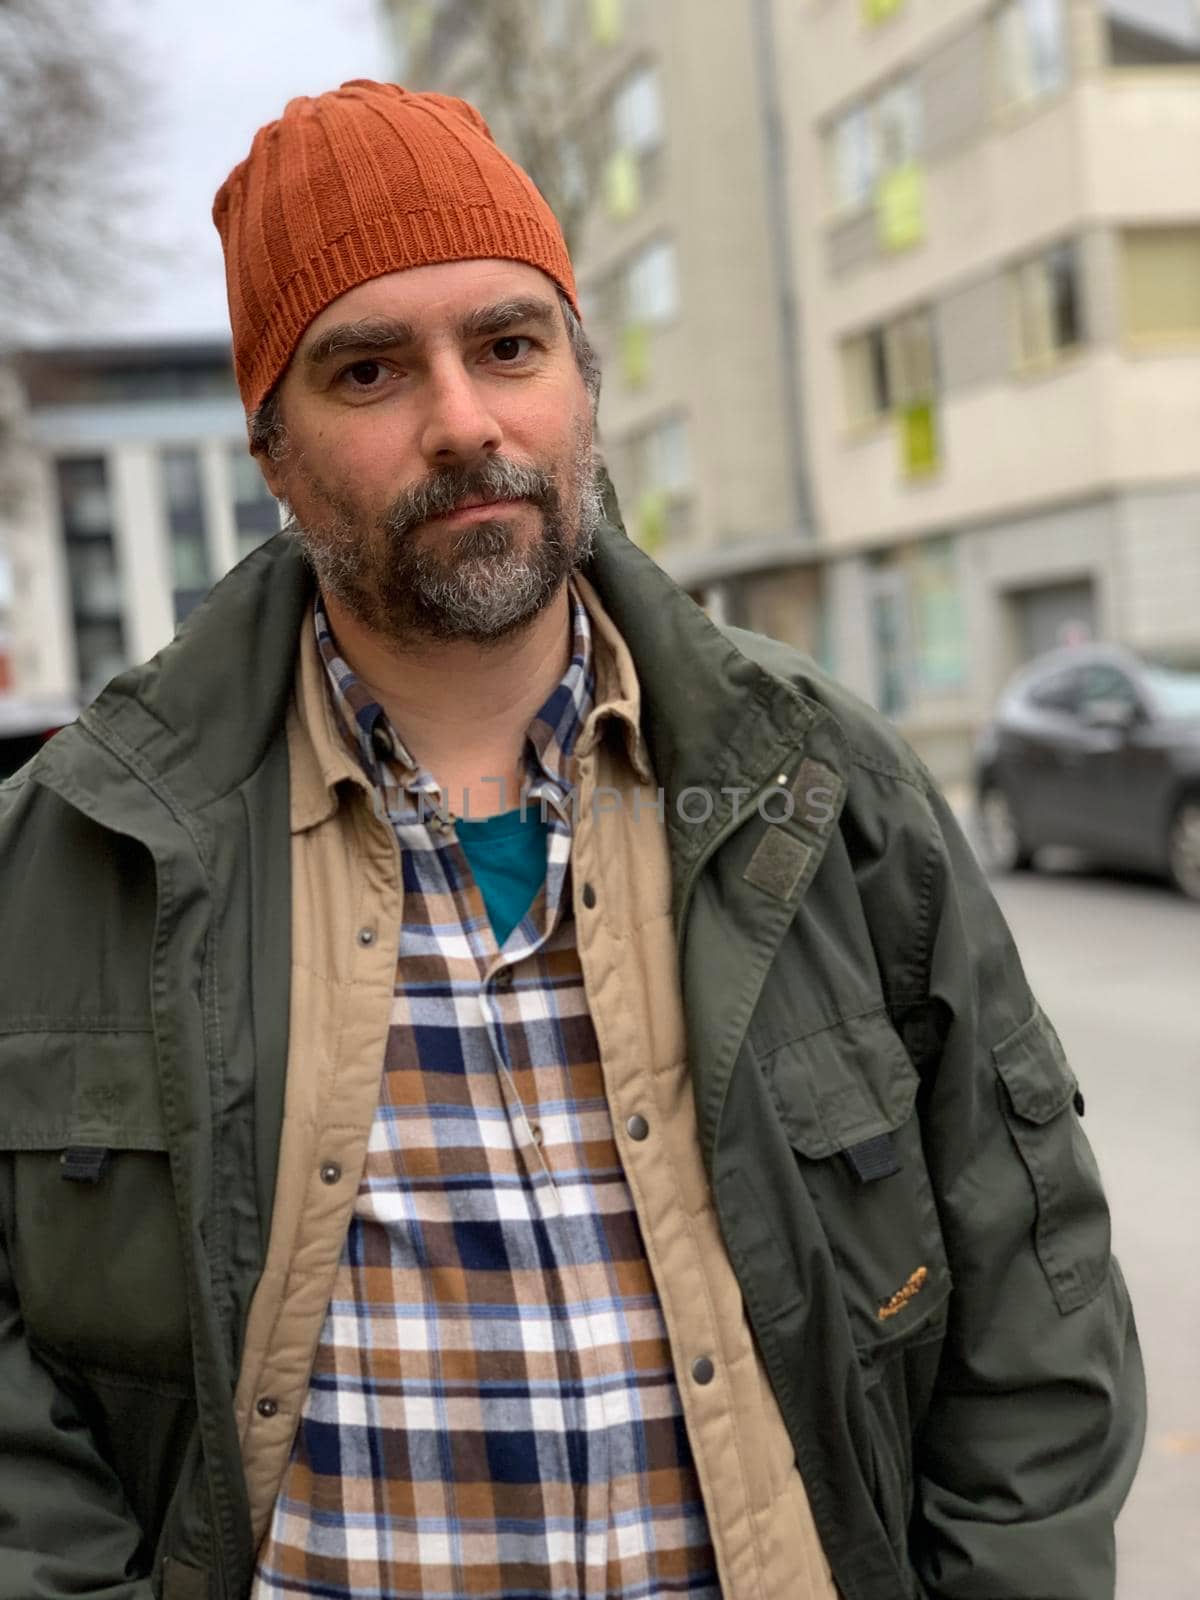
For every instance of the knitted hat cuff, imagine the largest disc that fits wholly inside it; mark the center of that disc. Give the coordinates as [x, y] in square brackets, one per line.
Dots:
[394, 244]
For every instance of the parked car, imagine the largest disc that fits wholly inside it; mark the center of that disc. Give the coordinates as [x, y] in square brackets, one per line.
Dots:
[25, 725]
[1095, 748]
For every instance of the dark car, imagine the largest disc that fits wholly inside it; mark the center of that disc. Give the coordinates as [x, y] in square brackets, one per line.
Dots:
[1094, 748]
[25, 725]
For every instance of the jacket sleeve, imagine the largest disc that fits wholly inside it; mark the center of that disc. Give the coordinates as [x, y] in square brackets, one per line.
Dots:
[1038, 1414]
[65, 1529]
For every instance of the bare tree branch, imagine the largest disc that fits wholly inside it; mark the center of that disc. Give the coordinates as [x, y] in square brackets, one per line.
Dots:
[528, 80]
[70, 106]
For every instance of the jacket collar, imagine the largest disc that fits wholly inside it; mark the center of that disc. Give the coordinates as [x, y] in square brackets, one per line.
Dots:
[202, 715]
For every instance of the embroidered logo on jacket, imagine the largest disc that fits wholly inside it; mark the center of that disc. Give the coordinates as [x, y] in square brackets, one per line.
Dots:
[902, 1296]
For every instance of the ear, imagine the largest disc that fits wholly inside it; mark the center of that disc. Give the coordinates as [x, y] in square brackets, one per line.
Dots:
[272, 476]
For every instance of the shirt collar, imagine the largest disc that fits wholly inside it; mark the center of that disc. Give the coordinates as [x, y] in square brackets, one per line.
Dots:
[339, 733]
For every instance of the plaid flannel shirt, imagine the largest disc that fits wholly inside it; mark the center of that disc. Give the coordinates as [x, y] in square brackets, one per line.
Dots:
[493, 1409]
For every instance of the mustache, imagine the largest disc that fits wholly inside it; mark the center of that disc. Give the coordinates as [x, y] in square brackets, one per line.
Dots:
[446, 489]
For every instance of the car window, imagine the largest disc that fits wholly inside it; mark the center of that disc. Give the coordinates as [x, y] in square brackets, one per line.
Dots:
[1103, 682]
[1178, 693]
[1060, 691]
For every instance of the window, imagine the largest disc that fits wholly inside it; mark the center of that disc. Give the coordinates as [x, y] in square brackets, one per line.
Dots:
[84, 498]
[1160, 273]
[873, 139]
[1030, 46]
[865, 375]
[898, 125]
[255, 509]
[664, 460]
[911, 362]
[889, 368]
[659, 466]
[1060, 692]
[637, 111]
[1048, 313]
[1150, 37]
[650, 288]
[631, 173]
[938, 615]
[93, 571]
[891, 638]
[1107, 685]
[183, 491]
[853, 160]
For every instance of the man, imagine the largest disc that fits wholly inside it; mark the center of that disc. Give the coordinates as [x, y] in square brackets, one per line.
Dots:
[509, 1089]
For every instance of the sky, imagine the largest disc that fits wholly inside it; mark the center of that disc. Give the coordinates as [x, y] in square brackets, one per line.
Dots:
[215, 73]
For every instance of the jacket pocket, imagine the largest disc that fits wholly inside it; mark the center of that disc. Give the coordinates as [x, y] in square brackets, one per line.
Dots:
[89, 1216]
[846, 1099]
[1071, 1233]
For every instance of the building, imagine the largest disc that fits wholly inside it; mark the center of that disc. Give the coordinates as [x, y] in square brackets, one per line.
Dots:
[918, 277]
[1000, 280]
[682, 261]
[133, 492]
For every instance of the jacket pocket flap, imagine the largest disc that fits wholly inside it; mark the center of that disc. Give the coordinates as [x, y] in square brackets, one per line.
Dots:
[1034, 1069]
[844, 1085]
[88, 1087]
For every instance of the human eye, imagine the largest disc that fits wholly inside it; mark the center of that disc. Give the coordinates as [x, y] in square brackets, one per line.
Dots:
[360, 376]
[507, 350]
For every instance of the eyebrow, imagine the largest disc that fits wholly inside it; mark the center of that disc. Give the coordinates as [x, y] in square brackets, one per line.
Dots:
[371, 335]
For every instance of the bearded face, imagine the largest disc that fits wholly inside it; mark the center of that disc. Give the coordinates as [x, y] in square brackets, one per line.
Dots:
[416, 570]
[437, 455]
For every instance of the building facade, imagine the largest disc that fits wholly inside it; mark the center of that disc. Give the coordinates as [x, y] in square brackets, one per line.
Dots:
[682, 257]
[899, 302]
[1000, 282]
[132, 493]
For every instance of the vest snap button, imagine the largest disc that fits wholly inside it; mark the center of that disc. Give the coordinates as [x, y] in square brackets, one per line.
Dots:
[637, 1127]
[330, 1172]
[366, 936]
[267, 1407]
[703, 1370]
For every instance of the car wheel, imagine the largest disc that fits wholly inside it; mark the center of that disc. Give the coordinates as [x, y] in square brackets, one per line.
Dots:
[1183, 847]
[1003, 848]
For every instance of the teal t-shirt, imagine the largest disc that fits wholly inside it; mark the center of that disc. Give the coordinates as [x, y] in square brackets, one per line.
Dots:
[507, 855]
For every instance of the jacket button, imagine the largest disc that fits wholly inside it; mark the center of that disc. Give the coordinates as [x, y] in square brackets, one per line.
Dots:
[703, 1370]
[266, 1407]
[330, 1172]
[588, 896]
[637, 1127]
[366, 936]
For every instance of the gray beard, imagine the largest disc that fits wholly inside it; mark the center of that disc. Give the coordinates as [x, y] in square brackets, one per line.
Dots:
[476, 587]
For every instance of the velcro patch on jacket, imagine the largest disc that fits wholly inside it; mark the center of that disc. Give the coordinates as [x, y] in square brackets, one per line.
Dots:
[815, 790]
[873, 1158]
[778, 863]
[84, 1163]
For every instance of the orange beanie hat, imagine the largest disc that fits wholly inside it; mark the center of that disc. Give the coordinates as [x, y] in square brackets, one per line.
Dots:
[363, 180]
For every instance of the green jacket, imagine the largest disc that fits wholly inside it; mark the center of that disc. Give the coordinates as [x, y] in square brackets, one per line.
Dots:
[877, 1091]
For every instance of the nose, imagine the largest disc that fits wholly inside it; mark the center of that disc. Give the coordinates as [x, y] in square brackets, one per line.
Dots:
[458, 425]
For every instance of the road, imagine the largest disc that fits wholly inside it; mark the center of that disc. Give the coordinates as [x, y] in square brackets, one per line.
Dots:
[1116, 964]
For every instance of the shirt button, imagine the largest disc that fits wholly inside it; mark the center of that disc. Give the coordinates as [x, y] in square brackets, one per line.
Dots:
[536, 1130]
[637, 1127]
[588, 896]
[330, 1172]
[366, 936]
[703, 1370]
[266, 1407]
[504, 978]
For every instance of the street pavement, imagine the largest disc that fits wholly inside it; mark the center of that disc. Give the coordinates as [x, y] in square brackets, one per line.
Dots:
[1115, 963]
